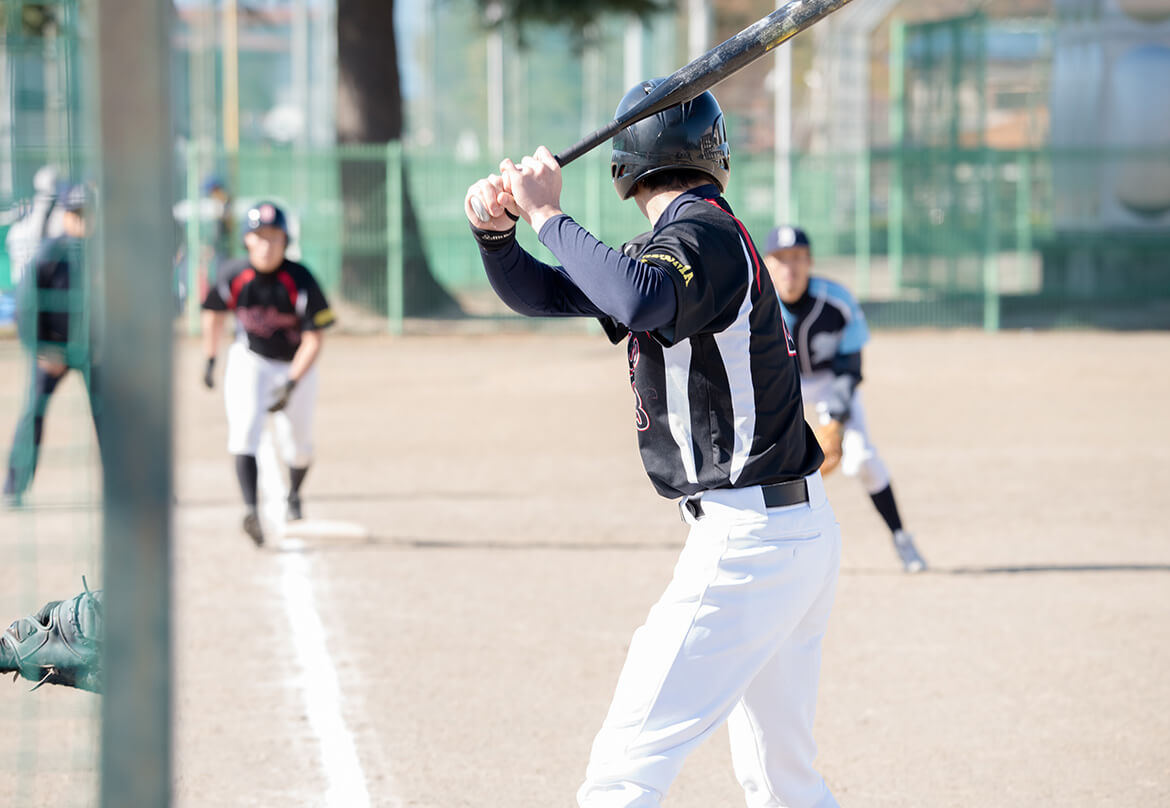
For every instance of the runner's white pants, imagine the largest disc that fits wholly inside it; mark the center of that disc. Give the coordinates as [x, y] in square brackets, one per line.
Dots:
[249, 382]
[859, 458]
[735, 637]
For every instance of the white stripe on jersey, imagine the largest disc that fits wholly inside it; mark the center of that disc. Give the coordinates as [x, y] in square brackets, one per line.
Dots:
[802, 341]
[734, 344]
[677, 360]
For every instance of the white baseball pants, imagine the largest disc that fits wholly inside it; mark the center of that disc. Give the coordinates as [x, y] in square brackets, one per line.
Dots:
[249, 381]
[735, 637]
[859, 458]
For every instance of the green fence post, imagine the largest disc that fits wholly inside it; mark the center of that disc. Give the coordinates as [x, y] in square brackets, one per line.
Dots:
[394, 237]
[990, 245]
[861, 223]
[134, 410]
[897, 141]
[194, 251]
[1023, 214]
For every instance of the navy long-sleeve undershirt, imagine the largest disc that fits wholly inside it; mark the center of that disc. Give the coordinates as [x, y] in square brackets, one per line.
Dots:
[594, 280]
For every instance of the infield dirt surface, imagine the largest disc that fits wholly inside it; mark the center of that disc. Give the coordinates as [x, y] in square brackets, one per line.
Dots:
[515, 544]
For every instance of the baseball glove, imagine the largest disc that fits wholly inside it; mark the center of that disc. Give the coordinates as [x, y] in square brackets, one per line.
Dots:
[59, 645]
[829, 436]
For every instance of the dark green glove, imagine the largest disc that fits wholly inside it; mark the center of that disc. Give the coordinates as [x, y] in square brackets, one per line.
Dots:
[59, 645]
[209, 373]
[282, 395]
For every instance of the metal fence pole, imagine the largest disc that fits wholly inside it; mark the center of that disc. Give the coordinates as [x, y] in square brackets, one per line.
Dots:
[990, 251]
[897, 142]
[194, 249]
[1023, 214]
[394, 238]
[134, 398]
[861, 223]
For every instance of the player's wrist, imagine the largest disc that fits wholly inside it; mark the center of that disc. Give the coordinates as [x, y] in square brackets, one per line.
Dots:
[540, 216]
[494, 239]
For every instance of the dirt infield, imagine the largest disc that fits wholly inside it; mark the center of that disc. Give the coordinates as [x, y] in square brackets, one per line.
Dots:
[516, 544]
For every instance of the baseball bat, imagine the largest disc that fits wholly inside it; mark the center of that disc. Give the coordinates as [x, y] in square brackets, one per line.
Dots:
[705, 72]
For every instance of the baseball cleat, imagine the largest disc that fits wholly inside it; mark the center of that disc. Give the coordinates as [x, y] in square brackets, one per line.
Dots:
[907, 552]
[252, 528]
[294, 509]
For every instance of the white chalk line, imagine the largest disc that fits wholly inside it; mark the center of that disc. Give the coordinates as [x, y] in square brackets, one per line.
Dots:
[346, 781]
[346, 785]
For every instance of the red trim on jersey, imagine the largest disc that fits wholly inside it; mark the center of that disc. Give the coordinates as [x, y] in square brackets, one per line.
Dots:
[747, 240]
[290, 285]
[241, 280]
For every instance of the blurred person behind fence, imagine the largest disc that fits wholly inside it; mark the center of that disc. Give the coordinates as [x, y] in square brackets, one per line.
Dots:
[53, 322]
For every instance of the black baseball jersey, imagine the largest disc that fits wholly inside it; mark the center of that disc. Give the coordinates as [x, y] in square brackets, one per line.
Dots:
[717, 392]
[829, 330]
[51, 299]
[272, 308]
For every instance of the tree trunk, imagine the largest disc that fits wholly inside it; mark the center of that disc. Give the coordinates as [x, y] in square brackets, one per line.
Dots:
[369, 110]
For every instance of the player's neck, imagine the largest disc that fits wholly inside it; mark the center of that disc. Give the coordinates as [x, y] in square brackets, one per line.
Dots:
[654, 203]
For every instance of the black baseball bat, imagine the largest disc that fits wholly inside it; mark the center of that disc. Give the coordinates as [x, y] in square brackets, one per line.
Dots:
[706, 71]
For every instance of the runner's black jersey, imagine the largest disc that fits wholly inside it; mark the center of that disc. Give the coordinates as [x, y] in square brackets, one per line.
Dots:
[717, 392]
[272, 308]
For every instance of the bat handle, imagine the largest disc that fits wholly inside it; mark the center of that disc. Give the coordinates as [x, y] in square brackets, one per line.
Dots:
[482, 214]
[589, 142]
[582, 146]
[480, 210]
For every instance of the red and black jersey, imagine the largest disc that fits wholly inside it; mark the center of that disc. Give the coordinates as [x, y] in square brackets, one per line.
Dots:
[272, 308]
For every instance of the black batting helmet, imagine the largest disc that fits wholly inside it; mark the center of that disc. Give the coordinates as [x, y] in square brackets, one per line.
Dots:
[690, 135]
[265, 214]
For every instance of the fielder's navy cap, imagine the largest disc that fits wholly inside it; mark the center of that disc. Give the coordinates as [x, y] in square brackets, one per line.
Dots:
[786, 236]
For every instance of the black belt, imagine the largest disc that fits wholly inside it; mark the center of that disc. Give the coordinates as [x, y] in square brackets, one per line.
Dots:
[776, 495]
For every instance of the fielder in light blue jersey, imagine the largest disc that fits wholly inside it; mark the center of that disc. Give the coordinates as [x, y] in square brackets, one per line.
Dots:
[829, 330]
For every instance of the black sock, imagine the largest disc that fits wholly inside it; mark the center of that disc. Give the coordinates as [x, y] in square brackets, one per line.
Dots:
[295, 478]
[246, 473]
[884, 501]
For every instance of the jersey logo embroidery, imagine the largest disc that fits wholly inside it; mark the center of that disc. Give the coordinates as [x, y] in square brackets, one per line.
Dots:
[264, 321]
[683, 269]
[641, 419]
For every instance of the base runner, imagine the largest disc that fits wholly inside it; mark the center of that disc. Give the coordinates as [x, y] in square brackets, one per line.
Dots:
[271, 367]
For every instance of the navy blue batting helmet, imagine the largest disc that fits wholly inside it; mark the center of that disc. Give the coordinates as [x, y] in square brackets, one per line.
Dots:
[690, 135]
[265, 214]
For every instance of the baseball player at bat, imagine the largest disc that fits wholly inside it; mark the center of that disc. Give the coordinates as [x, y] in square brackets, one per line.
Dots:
[736, 636]
[830, 331]
[281, 313]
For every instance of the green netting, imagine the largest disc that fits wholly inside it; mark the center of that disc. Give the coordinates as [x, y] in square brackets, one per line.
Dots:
[48, 746]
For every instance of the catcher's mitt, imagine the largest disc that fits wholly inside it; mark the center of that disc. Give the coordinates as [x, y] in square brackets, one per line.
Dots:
[59, 645]
[829, 437]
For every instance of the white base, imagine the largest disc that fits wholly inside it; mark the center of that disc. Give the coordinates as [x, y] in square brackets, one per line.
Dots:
[279, 533]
